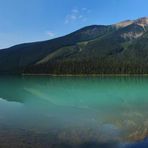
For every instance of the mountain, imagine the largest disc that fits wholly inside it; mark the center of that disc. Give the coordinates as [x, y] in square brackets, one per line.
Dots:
[120, 48]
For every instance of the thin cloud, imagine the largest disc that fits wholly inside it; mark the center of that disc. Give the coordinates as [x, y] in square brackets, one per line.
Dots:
[50, 34]
[77, 15]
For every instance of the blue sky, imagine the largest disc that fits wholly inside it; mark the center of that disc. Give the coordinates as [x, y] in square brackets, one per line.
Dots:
[34, 20]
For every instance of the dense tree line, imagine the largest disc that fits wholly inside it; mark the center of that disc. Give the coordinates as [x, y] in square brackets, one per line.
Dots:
[87, 67]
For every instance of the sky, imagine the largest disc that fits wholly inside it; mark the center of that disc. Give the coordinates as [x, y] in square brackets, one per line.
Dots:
[36, 20]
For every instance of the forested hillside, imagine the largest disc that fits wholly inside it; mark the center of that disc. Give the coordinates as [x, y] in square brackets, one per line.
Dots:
[120, 48]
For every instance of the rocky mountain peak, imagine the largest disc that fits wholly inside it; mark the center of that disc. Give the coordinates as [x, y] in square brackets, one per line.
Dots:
[123, 23]
[142, 21]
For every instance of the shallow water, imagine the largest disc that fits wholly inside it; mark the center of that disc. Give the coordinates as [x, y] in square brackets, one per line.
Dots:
[73, 111]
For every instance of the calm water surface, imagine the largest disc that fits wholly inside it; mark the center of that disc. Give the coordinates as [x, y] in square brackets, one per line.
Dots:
[42, 111]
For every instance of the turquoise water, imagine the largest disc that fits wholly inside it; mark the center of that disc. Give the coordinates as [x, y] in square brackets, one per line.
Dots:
[75, 109]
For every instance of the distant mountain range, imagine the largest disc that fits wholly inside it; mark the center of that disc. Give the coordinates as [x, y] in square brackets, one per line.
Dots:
[120, 48]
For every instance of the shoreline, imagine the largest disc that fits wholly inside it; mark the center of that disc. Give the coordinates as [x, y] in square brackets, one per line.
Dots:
[84, 75]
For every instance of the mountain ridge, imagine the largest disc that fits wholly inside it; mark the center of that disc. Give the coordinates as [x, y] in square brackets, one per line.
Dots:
[120, 48]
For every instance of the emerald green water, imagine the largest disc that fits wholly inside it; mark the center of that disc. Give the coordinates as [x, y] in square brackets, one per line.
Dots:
[75, 109]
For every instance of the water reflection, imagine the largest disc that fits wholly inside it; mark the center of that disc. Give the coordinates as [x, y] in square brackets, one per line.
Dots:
[76, 109]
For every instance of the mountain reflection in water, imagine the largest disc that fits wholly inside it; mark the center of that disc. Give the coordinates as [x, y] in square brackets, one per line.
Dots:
[73, 111]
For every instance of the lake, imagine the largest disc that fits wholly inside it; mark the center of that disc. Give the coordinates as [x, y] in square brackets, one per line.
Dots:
[44, 111]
